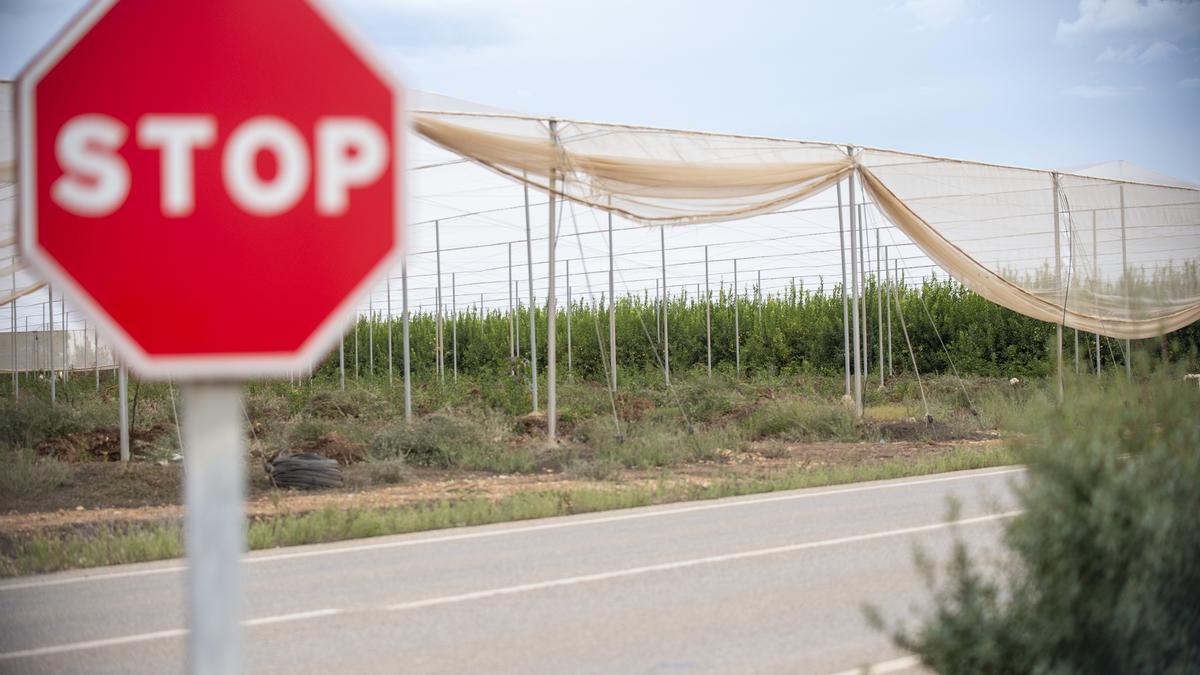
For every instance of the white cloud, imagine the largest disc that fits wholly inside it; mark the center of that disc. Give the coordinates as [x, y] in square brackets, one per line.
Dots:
[1160, 50]
[934, 13]
[1102, 91]
[1189, 83]
[1097, 17]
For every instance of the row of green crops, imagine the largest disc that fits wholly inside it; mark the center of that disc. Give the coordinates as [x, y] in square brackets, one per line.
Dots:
[797, 331]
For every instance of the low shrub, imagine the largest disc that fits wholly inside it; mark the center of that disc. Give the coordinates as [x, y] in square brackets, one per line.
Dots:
[794, 420]
[25, 476]
[388, 471]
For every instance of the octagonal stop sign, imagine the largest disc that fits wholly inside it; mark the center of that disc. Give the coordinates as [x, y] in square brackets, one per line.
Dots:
[214, 183]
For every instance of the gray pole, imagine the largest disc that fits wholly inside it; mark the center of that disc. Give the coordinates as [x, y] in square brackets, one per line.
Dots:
[854, 250]
[666, 306]
[96, 356]
[404, 339]
[1096, 282]
[887, 274]
[388, 286]
[1058, 282]
[737, 332]
[864, 266]
[532, 306]
[123, 402]
[551, 311]
[707, 314]
[512, 354]
[357, 321]
[517, 318]
[440, 331]
[758, 299]
[214, 480]
[370, 335]
[16, 385]
[342, 361]
[879, 302]
[657, 313]
[66, 360]
[1125, 281]
[454, 321]
[570, 370]
[50, 348]
[612, 311]
[845, 294]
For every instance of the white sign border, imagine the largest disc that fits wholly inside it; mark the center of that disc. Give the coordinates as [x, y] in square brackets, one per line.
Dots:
[230, 366]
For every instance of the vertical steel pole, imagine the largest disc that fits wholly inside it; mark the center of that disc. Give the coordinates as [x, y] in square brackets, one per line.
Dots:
[570, 370]
[533, 392]
[707, 314]
[551, 311]
[864, 266]
[50, 348]
[16, 385]
[123, 402]
[888, 279]
[440, 331]
[389, 326]
[854, 279]
[612, 311]
[1125, 283]
[66, 355]
[454, 321]
[214, 525]
[758, 296]
[96, 356]
[512, 354]
[879, 302]
[1058, 282]
[845, 291]
[370, 335]
[1096, 282]
[357, 321]
[342, 361]
[666, 306]
[737, 331]
[404, 339]
[657, 313]
[517, 318]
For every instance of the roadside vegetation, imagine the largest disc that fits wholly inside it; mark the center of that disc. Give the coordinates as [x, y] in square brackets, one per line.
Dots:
[1101, 571]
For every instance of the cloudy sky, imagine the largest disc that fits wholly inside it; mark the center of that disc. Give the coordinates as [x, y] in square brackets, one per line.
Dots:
[1047, 84]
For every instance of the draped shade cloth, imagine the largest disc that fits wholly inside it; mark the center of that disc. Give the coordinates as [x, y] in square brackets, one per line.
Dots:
[1115, 257]
[1122, 257]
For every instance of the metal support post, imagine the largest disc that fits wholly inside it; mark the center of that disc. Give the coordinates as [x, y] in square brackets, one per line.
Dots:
[214, 525]
[612, 311]
[50, 347]
[533, 392]
[879, 302]
[551, 311]
[854, 279]
[707, 314]
[454, 321]
[666, 305]
[845, 291]
[440, 347]
[570, 369]
[737, 332]
[512, 354]
[404, 339]
[1125, 282]
[389, 326]
[1058, 282]
[123, 413]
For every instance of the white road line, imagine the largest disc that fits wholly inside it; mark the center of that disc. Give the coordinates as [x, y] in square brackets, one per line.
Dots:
[256, 559]
[884, 667]
[525, 588]
[681, 564]
[158, 635]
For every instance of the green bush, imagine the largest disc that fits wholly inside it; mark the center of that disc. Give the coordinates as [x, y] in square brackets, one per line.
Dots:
[794, 420]
[388, 471]
[1103, 574]
[443, 439]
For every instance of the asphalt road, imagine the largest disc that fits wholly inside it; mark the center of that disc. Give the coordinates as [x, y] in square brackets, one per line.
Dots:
[768, 583]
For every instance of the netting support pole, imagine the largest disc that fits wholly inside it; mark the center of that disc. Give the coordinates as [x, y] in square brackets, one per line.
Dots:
[370, 335]
[657, 313]
[737, 333]
[533, 392]
[440, 347]
[517, 318]
[512, 354]
[758, 296]
[389, 329]
[864, 266]
[66, 355]
[879, 302]
[50, 347]
[887, 273]
[404, 320]
[666, 336]
[16, 384]
[123, 402]
[551, 308]
[845, 295]
[96, 356]
[707, 314]
[1058, 282]
[1125, 282]
[612, 311]
[357, 321]
[454, 322]
[856, 310]
[567, 308]
[342, 361]
[1096, 281]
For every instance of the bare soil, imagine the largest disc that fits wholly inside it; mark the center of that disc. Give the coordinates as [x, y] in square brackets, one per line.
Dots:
[110, 493]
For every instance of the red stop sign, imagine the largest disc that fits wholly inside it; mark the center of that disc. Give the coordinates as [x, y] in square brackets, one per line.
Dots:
[213, 182]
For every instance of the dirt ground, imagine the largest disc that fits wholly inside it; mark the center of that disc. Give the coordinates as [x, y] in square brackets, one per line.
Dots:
[108, 492]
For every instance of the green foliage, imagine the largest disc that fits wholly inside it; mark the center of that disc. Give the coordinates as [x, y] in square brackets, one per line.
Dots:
[798, 420]
[1104, 573]
[388, 471]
